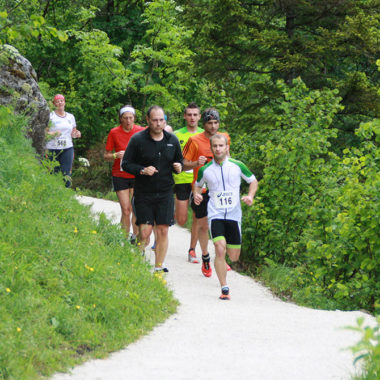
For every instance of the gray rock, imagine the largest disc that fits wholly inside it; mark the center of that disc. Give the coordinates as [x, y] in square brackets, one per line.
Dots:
[19, 88]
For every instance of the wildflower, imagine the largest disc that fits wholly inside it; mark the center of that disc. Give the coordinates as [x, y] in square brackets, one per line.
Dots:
[84, 161]
[75, 230]
[88, 268]
[77, 307]
[18, 329]
[94, 305]
[94, 232]
[7, 290]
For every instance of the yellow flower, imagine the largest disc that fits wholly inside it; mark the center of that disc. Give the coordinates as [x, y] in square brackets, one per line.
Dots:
[77, 307]
[94, 305]
[93, 232]
[7, 290]
[18, 329]
[91, 269]
[75, 230]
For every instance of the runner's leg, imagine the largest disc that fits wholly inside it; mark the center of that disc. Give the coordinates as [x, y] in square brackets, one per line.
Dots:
[220, 261]
[126, 209]
[162, 242]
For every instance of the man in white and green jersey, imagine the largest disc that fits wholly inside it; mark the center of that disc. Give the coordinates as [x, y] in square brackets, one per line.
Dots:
[222, 176]
[183, 181]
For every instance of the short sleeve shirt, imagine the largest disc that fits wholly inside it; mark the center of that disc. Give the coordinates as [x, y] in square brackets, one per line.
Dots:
[183, 136]
[199, 145]
[65, 125]
[118, 140]
[223, 181]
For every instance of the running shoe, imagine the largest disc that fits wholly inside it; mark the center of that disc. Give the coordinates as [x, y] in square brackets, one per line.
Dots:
[192, 257]
[133, 239]
[206, 269]
[161, 270]
[153, 247]
[225, 294]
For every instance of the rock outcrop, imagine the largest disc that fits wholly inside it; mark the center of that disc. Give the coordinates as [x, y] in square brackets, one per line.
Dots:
[19, 88]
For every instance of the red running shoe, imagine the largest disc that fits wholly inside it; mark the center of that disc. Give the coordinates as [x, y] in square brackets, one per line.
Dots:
[206, 269]
[192, 257]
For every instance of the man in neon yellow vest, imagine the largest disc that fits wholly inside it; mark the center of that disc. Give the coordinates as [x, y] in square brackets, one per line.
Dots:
[183, 181]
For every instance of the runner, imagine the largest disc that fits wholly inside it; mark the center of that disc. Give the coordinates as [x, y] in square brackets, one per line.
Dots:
[60, 142]
[196, 153]
[153, 155]
[123, 182]
[183, 181]
[222, 176]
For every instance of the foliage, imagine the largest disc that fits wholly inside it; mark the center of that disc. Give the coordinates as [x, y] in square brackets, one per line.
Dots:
[97, 177]
[367, 350]
[293, 144]
[70, 288]
[315, 212]
[326, 43]
[342, 238]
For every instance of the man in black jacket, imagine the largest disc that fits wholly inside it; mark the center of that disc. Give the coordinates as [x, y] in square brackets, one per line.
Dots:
[152, 156]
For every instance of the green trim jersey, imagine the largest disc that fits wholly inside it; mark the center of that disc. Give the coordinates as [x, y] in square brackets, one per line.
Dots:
[183, 136]
[223, 181]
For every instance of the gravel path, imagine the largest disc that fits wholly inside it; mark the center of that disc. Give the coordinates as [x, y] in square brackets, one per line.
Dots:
[253, 336]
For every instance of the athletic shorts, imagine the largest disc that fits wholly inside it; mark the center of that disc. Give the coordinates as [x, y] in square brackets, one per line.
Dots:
[182, 191]
[156, 208]
[200, 211]
[120, 183]
[229, 230]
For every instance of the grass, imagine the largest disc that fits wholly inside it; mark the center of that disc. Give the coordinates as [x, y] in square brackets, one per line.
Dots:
[69, 287]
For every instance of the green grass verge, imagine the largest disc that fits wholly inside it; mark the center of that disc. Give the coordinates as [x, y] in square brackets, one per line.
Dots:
[69, 288]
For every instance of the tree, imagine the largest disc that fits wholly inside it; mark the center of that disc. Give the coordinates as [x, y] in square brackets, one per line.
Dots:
[328, 43]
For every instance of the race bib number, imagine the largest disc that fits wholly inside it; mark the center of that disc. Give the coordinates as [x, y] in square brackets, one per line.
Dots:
[225, 199]
[61, 143]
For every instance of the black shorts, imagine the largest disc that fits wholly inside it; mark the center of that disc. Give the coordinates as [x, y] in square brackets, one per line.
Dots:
[200, 211]
[229, 230]
[182, 191]
[120, 183]
[156, 208]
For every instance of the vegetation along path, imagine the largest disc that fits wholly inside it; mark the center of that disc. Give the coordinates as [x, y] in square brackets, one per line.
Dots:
[253, 336]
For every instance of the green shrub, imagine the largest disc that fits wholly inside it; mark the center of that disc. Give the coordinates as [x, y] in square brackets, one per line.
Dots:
[315, 213]
[367, 350]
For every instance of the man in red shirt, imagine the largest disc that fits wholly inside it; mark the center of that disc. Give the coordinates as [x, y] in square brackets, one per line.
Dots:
[196, 153]
[123, 182]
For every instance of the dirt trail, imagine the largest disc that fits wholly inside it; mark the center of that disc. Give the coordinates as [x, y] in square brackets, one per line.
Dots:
[253, 336]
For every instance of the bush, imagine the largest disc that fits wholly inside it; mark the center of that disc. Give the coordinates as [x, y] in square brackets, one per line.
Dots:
[367, 350]
[315, 213]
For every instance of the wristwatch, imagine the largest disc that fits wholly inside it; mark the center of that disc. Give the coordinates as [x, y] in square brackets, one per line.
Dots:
[142, 171]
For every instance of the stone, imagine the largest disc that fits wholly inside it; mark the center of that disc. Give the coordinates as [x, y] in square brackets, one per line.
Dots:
[19, 89]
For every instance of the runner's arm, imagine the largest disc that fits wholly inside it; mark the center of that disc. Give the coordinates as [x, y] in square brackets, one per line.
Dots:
[248, 199]
[197, 193]
[130, 162]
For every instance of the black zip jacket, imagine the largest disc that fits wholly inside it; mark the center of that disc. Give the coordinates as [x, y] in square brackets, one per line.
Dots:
[142, 151]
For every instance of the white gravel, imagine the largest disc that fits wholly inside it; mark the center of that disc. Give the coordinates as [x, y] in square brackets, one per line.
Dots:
[253, 336]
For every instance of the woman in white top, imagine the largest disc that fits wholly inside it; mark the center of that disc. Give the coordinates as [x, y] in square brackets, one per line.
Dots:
[60, 134]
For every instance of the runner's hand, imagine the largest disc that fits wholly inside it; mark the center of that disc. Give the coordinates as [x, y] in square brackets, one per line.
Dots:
[198, 198]
[247, 200]
[120, 154]
[202, 160]
[76, 134]
[150, 170]
[177, 167]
